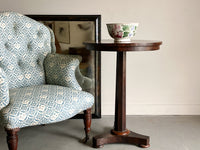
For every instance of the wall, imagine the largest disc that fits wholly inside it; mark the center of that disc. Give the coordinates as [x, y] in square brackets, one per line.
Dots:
[161, 82]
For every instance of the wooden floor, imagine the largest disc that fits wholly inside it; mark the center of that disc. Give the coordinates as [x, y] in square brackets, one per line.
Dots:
[166, 133]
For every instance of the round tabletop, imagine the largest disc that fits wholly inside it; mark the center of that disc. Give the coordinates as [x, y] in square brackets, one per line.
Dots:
[134, 45]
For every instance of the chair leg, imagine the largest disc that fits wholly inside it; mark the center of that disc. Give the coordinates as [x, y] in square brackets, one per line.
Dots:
[87, 123]
[12, 138]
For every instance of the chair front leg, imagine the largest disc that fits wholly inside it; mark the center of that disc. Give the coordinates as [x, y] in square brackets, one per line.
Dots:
[87, 123]
[12, 138]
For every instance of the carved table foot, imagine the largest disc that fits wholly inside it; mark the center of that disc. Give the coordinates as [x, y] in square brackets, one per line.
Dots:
[131, 138]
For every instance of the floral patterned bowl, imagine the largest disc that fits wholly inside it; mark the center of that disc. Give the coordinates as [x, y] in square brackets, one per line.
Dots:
[122, 32]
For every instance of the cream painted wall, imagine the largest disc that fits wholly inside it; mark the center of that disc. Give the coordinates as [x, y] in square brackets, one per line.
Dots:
[161, 82]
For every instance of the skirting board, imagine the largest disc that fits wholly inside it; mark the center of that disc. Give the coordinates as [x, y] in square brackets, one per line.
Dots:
[155, 109]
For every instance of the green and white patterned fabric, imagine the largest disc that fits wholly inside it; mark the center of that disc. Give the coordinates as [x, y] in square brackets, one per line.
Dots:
[4, 93]
[24, 43]
[60, 70]
[27, 51]
[43, 104]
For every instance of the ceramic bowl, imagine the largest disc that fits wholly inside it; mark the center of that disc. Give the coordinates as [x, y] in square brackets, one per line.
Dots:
[122, 32]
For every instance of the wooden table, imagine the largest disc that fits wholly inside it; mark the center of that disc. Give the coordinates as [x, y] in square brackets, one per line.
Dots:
[120, 134]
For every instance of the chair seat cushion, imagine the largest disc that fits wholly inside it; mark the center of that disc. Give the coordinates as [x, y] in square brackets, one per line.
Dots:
[43, 104]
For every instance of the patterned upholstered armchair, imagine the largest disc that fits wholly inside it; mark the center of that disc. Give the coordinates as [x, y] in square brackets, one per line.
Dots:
[37, 86]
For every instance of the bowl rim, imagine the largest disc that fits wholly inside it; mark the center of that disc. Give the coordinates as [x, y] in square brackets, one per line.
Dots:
[122, 23]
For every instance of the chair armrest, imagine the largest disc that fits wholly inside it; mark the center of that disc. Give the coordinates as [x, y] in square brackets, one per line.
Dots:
[4, 89]
[87, 84]
[60, 70]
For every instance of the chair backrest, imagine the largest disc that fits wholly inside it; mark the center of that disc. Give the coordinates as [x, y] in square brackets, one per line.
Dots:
[24, 43]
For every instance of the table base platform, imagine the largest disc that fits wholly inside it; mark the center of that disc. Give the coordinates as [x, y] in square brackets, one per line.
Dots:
[129, 138]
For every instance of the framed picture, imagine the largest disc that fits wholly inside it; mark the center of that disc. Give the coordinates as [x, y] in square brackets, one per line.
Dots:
[70, 32]
[61, 30]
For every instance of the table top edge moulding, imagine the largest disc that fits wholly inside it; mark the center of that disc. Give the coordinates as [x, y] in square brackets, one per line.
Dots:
[134, 45]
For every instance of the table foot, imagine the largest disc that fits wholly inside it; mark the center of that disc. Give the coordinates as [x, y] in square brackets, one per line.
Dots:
[131, 138]
[144, 146]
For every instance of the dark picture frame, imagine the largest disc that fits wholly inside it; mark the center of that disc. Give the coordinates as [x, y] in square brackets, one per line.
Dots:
[96, 20]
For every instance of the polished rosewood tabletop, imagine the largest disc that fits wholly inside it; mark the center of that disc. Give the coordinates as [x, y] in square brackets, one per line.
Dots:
[134, 45]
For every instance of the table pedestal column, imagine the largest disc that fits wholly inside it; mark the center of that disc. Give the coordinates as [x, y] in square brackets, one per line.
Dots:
[120, 134]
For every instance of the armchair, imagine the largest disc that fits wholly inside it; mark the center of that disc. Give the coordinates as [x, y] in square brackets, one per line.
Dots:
[37, 86]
